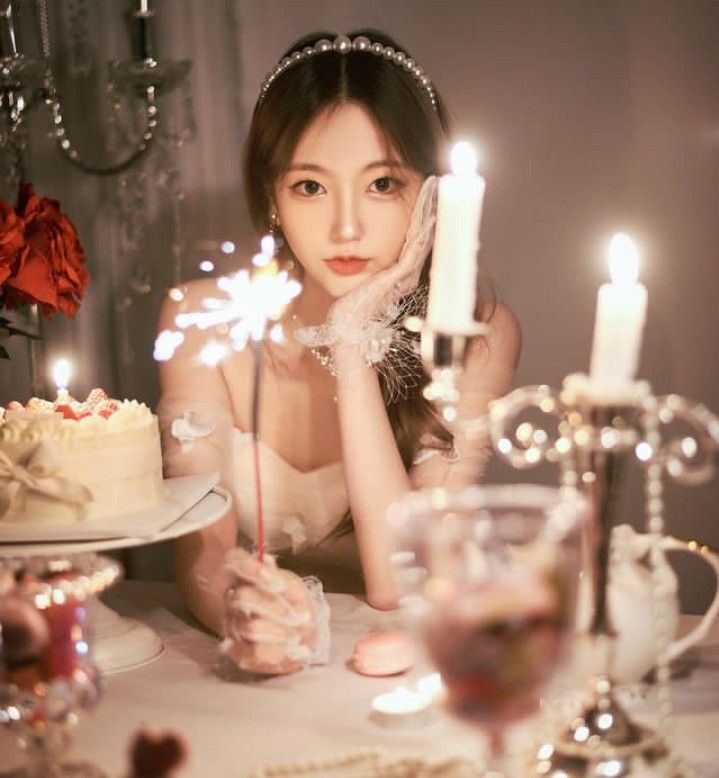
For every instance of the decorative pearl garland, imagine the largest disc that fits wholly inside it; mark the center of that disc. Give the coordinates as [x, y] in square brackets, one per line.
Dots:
[372, 764]
[342, 44]
[654, 490]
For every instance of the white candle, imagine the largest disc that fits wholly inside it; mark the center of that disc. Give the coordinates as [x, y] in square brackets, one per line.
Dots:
[61, 372]
[453, 282]
[619, 323]
[144, 6]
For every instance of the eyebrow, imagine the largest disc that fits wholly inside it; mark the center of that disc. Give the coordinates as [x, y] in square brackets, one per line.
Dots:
[319, 169]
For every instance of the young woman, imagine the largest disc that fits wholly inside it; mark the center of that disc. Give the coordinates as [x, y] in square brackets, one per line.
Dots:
[346, 132]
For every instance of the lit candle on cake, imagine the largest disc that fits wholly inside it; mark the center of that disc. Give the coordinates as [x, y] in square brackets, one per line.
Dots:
[619, 323]
[61, 373]
[453, 282]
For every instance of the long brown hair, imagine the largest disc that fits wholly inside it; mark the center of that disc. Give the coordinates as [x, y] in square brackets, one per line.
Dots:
[412, 126]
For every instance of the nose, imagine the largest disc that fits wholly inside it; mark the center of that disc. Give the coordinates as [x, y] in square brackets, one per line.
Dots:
[347, 222]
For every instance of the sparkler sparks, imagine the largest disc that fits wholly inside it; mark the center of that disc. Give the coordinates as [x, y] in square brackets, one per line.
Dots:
[166, 343]
[251, 301]
[250, 310]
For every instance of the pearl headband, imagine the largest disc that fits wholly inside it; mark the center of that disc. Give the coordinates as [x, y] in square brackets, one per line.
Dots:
[342, 44]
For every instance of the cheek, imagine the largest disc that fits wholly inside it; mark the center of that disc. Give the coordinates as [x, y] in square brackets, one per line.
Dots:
[294, 220]
[390, 227]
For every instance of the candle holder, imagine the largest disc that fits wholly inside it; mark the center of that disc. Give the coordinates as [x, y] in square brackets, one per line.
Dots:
[26, 81]
[443, 355]
[41, 696]
[597, 436]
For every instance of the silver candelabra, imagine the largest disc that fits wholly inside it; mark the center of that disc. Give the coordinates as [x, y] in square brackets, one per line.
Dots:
[443, 356]
[596, 436]
[26, 81]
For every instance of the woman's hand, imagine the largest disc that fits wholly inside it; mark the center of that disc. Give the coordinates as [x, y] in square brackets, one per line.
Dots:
[270, 619]
[374, 295]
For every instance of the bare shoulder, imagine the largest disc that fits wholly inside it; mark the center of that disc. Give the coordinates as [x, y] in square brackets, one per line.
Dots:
[505, 331]
[503, 342]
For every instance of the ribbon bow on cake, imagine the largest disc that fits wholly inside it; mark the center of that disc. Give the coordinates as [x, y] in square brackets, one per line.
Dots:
[39, 476]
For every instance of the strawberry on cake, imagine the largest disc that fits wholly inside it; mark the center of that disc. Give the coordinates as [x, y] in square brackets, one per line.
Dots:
[68, 460]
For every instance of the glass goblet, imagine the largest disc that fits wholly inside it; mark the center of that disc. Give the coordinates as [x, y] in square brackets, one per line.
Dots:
[46, 674]
[488, 575]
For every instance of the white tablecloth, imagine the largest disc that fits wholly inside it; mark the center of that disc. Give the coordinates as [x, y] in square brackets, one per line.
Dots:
[233, 728]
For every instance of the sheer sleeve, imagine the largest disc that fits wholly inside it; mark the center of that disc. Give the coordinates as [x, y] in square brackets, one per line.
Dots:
[489, 372]
[196, 423]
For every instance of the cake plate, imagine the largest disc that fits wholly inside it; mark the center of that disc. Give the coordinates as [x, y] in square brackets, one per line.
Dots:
[122, 643]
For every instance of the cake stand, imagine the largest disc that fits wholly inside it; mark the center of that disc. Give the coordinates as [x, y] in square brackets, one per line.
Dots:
[121, 643]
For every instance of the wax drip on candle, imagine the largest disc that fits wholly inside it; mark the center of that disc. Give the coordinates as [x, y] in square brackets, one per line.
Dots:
[61, 373]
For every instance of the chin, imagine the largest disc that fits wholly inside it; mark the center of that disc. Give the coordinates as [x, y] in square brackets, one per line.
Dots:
[338, 286]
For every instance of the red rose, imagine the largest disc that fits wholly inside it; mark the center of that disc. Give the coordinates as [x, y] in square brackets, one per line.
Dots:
[52, 269]
[12, 240]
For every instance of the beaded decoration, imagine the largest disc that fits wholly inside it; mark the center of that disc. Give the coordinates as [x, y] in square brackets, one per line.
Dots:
[343, 44]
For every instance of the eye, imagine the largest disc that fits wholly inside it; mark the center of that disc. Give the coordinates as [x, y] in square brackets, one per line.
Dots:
[385, 185]
[307, 187]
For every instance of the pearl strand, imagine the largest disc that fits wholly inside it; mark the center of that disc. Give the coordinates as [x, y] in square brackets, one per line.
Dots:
[342, 44]
[654, 498]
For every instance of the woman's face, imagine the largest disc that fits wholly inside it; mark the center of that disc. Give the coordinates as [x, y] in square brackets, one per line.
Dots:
[343, 205]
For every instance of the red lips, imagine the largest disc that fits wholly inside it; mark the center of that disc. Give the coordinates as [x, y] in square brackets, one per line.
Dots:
[347, 265]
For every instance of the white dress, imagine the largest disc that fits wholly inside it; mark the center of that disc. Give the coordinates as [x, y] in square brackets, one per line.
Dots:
[302, 511]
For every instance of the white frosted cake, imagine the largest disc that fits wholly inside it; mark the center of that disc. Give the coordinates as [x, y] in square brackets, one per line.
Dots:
[78, 461]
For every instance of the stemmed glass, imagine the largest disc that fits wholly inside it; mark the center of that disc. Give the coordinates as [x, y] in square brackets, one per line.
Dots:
[488, 575]
[47, 676]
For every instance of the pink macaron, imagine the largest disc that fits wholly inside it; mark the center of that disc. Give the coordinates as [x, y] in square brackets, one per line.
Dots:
[383, 653]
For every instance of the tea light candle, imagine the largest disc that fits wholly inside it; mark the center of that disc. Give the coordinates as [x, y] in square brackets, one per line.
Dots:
[401, 707]
[431, 686]
[61, 373]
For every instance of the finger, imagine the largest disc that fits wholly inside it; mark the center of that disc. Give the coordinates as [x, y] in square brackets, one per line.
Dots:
[259, 630]
[295, 592]
[420, 232]
[245, 567]
[249, 601]
[266, 660]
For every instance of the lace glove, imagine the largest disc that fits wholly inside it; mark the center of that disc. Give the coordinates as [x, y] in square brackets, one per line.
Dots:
[273, 622]
[369, 319]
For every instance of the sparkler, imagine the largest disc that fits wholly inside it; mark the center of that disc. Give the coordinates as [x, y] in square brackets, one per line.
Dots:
[250, 310]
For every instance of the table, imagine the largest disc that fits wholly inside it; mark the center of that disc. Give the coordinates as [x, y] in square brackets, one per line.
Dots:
[233, 728]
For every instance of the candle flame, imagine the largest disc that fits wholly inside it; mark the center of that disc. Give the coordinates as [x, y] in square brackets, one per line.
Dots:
[463, 159]
[61, 373]
[623, 259]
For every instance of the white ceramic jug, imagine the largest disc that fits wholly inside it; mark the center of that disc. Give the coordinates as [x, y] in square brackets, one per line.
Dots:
[631, 603]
